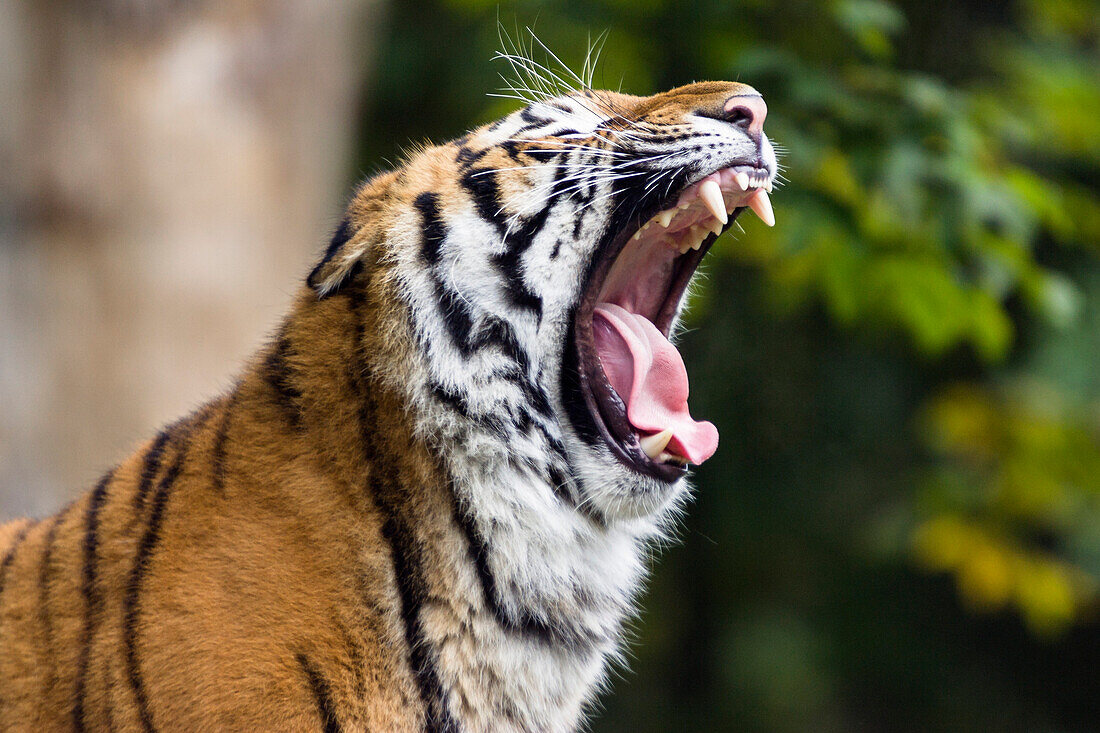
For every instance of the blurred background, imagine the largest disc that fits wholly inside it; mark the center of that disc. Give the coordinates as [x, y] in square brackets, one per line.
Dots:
[901, 528]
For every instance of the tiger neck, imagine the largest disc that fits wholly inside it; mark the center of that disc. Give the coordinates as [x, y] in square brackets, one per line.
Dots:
[510, 565]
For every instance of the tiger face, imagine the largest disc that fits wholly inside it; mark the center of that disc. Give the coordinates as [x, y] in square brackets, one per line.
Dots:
[545, 300]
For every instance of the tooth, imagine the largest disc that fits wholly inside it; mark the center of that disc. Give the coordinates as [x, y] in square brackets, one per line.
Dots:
[665, 217]
[667, 457]
[698, 234]
[717, 228]
[711, 193]
[762, 205]
[768, 185]
[654, 444]
[742, 179]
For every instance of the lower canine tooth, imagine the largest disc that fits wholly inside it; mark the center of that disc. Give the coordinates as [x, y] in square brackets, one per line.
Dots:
[762, 205]
[667, 457]
[654, 444]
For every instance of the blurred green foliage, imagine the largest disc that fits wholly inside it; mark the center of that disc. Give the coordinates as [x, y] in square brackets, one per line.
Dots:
[901, 528]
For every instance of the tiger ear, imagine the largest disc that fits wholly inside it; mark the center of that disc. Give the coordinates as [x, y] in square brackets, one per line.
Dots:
[340, 262]
[367, 216]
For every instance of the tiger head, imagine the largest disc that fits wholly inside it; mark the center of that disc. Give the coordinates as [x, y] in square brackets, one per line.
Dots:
[542, 263]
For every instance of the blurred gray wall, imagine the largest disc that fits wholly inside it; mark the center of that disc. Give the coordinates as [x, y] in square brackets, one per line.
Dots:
[168, 169]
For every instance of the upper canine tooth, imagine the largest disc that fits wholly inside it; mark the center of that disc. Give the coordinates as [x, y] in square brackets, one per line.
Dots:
[762, 205]
[711, 194]
[742, 179]
[652, 445]
[665, 217]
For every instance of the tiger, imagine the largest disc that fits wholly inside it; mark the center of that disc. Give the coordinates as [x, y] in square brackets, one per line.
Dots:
[428, 502]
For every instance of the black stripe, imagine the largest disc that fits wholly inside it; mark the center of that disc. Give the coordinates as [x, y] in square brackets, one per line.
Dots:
[354, 662]
[149, 467]
[481, 184]
[578, 224]
[45, 618]
[357, 368]
[561, 485]
[385, 488]
[495, 331]
[93, 601]
[515, 287]
[108, 699]
[411, 588]
[527, 115]
[467, 156]
[434, 230]
[524, 623]
[217, 458]
[456, 316]
[572, 396]
[516, 148]
[131, 601]
[461, 405]
[279, 374]
[9, 556]
[532, 392]
[321, 694]
[339, 239]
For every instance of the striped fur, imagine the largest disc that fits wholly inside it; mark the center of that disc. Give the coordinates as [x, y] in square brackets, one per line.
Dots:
[399, 518]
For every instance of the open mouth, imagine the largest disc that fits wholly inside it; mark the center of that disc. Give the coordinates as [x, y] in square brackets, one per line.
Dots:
[633, 379]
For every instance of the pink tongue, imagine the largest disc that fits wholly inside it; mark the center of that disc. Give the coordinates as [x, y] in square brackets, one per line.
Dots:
[648, 374]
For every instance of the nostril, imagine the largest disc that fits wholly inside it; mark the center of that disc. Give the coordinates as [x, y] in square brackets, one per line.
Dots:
[747, 111]
[740, 116]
